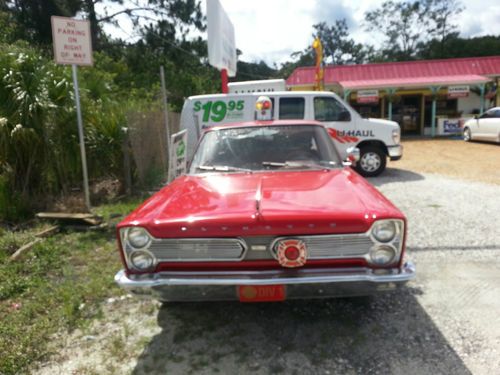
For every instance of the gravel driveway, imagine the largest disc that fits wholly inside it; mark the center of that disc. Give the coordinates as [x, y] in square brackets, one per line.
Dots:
[446, 322]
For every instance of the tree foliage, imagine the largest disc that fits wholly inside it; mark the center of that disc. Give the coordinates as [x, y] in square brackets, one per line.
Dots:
[338, 47]
[455, 46]
[39, 151]
[408, 25]
[33, 17]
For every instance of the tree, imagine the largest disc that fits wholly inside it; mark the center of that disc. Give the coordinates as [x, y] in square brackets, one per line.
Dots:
[488, 45]
[410, 24]
[33, 16]
[442, 27]
[403, 23]
[254, 71]
[338, 48]
[180, 14]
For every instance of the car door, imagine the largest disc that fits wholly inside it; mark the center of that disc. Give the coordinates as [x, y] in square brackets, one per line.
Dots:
[337, 119]
[491, 125]
[483, 123]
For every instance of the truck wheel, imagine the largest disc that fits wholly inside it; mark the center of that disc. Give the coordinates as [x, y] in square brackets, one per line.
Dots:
[372, 161]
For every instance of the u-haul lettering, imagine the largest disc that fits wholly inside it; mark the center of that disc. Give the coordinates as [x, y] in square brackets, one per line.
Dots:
[355, 133]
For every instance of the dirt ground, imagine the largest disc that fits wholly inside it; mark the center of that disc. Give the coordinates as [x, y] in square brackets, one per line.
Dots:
[473, 161]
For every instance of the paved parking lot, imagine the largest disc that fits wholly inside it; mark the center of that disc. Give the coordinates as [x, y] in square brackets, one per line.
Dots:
[446, 322]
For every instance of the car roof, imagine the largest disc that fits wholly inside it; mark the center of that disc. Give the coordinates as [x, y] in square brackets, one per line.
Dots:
[246, 124]
[264, 93]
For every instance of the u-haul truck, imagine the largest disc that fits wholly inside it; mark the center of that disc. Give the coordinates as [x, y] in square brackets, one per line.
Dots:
[376, 139]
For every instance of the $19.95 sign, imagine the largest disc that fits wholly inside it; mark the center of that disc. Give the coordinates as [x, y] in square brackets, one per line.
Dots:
[219, 110]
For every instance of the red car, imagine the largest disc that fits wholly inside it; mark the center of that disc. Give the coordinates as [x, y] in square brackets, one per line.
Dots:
[267, 211]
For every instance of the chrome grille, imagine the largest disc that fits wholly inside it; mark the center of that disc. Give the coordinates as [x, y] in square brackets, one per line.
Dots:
[198, 249]
[258, 242]
[235, 249]
[333, 246]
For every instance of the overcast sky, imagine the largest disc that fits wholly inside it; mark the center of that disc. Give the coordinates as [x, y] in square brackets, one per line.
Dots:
[271, 30]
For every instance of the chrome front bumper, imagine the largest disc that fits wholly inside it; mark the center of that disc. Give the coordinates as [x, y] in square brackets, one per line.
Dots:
[395, 152]
[305, 283]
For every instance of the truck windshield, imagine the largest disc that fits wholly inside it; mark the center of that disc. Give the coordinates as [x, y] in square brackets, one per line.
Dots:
[258, 148]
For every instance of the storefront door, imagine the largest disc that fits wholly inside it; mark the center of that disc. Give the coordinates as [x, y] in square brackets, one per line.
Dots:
[406, 112]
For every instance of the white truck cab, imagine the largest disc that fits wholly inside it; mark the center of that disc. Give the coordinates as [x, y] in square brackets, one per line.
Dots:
[376, 139]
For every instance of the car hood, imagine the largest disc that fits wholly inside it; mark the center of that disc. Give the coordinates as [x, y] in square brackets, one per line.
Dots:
[270, 203]
[377, 121]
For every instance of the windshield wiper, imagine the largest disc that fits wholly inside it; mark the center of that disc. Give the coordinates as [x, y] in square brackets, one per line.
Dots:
[222, 168]
[292, 164]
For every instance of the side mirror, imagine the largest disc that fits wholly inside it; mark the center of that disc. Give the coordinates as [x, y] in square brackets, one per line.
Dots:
[353, 156]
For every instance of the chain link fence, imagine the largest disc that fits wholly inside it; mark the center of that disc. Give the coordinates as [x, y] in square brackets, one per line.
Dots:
[147, 145]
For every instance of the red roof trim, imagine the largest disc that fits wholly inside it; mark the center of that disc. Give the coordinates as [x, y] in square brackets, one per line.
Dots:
[479, 66]
[415, 82]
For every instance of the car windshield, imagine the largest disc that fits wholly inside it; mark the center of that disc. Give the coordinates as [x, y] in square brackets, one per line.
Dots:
[258, 148]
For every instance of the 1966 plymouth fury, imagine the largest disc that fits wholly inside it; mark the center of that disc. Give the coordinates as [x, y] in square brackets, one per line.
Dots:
[266, 212]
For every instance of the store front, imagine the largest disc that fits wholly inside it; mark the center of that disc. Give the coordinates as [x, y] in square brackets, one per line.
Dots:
[417, 95]
[406, 111]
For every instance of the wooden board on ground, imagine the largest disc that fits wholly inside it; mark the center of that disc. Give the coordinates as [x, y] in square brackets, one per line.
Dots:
[71, 218]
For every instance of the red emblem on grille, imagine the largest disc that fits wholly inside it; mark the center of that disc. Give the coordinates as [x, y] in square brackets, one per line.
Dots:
[291, 253]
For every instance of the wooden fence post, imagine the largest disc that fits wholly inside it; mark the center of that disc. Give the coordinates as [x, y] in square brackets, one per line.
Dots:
[126, 164]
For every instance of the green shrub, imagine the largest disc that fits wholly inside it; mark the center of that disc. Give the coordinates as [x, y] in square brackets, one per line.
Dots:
[39, 145]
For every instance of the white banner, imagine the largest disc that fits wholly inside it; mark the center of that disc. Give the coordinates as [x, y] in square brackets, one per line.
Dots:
[71, 39]
[178, 155]
[367, 96]
[458, 91]
[221, 44]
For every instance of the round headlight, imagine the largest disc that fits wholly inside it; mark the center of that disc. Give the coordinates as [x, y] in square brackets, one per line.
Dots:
[138, 237]
[382, 255]
[142, 260]
[384, 231]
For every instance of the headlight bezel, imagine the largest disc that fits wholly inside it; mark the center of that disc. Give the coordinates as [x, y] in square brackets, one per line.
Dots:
[380, 223]
[130, 251]
[143, 231]
[395, 243]
[385, 247]
[136, 253]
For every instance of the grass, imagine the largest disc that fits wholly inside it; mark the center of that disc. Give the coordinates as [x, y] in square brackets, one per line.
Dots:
[56, 287]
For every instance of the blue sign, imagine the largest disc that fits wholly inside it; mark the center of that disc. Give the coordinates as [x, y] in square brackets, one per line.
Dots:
[451, 126]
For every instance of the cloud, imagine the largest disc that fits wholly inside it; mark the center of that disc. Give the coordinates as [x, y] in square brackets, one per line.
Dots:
[331, 10]
[271, 30]
[479, 19]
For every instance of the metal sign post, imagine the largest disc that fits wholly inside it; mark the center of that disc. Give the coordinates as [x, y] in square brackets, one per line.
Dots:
[72, 46]
[165, 107]
[81, 137]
